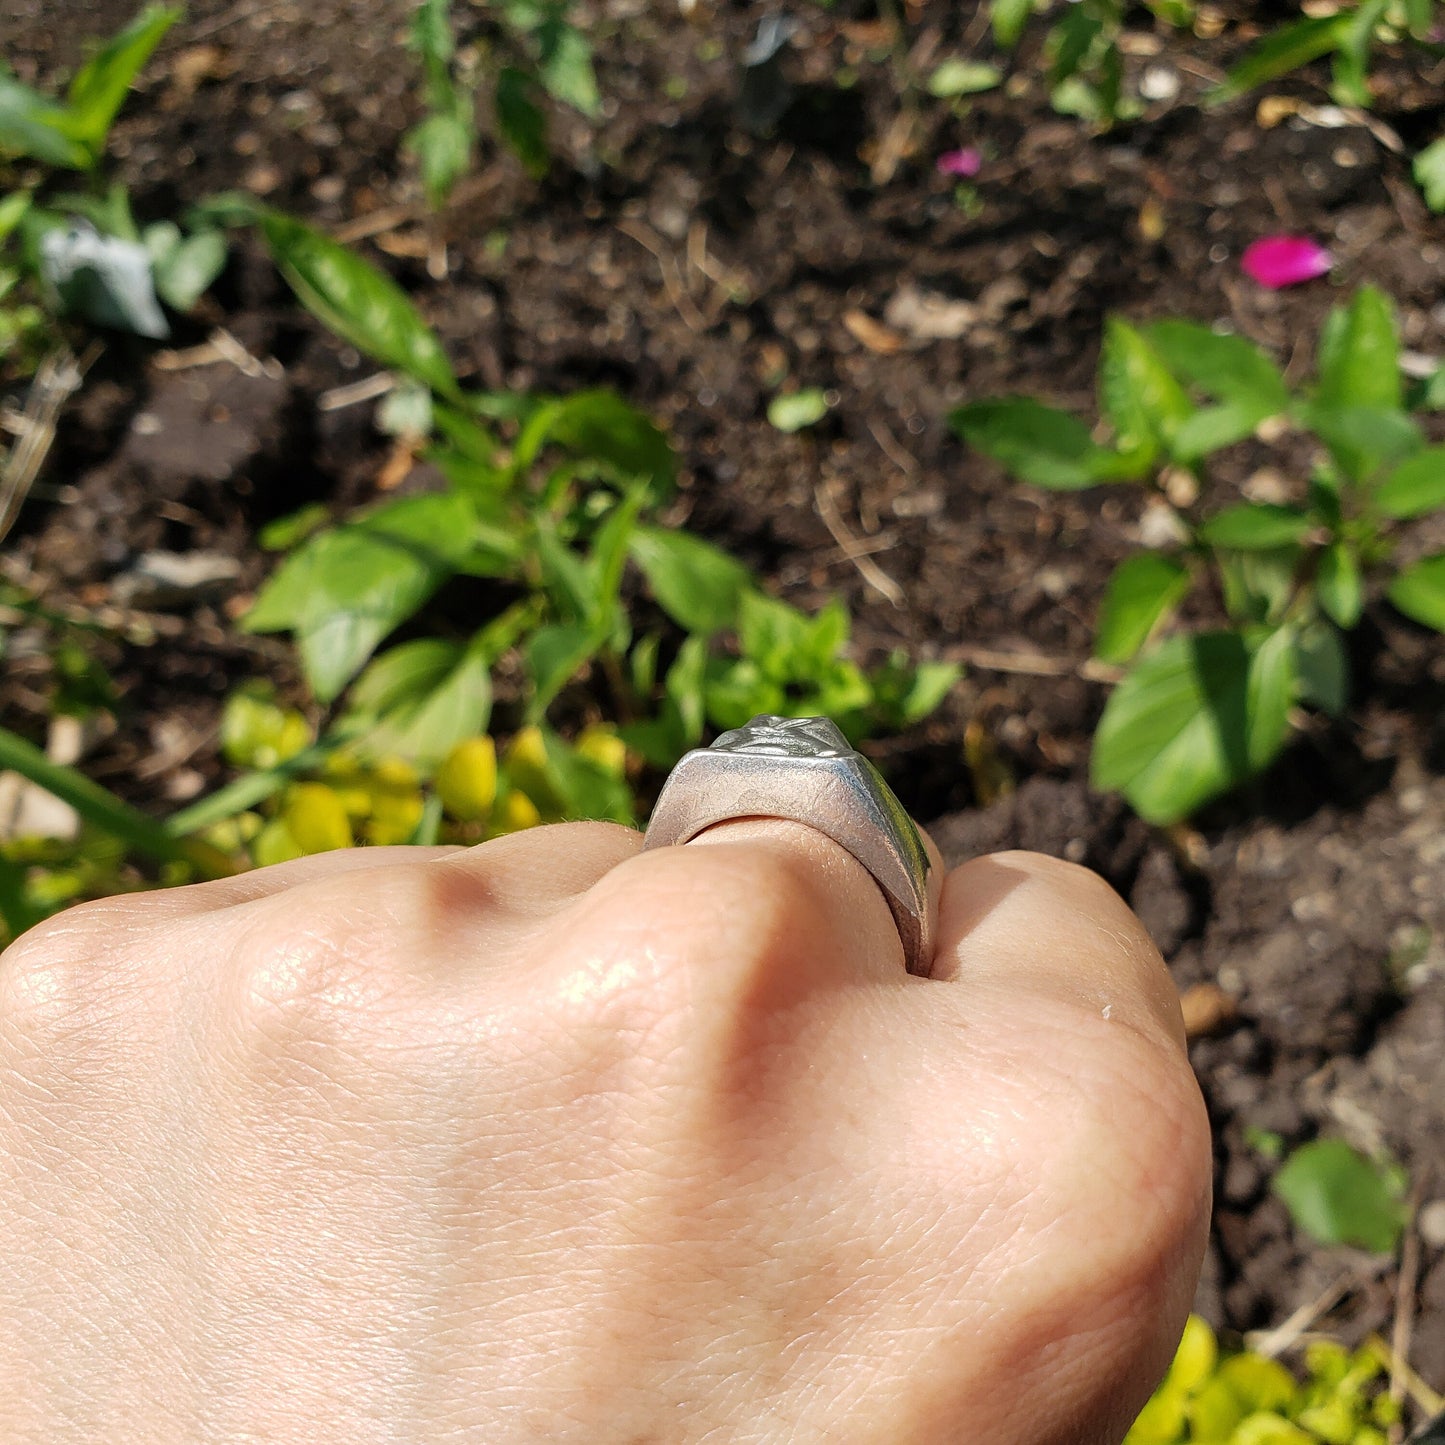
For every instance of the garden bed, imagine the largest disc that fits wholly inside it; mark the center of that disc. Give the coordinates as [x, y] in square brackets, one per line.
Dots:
[697, 268]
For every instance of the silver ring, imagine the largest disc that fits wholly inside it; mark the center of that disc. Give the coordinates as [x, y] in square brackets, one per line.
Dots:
[804, 770]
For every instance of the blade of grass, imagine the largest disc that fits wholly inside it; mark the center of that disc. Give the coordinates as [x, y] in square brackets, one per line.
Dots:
[252, 788]
[102, 809]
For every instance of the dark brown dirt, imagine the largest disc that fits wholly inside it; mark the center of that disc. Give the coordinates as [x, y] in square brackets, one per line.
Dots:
[696, 267]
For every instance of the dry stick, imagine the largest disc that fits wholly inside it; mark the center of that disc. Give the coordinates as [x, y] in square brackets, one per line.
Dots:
[1033, 664]
[368, 388]
[1273, 1343]
[853, 549]
[58, 376]
[1403, 1328]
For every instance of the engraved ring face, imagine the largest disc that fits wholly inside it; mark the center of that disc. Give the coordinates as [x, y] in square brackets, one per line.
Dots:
[804, 770]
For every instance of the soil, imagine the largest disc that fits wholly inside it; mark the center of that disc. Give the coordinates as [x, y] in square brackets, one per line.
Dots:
[696, 267]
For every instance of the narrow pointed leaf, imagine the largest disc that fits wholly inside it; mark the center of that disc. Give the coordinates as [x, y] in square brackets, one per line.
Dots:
[1282, 51]
[357, 301]
[100, 86]
[1339, 586]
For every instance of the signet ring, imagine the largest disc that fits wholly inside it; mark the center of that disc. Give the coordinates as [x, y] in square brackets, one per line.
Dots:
[804, 770]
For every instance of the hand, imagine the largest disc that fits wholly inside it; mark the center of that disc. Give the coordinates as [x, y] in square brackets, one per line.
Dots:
[554, 1140]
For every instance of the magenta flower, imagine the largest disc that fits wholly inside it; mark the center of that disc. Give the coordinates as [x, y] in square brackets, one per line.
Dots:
[967, 162]
[1276, 261]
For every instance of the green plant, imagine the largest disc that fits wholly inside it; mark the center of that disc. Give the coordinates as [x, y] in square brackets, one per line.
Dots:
[82, 252]
[556, 500]
[1202, 708]
[1081, 47]
[1210, 1397]
[541, 52]
[1349, 35]
[442, 144]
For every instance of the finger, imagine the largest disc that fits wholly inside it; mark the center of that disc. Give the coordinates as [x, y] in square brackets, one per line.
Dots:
[1024, 924]
[837, 908]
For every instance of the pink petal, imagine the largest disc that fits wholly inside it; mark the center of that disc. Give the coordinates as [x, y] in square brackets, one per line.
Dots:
[966, 162]
[1276, 261]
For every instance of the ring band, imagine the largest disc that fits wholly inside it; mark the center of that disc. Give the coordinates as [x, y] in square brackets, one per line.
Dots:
[805, 771]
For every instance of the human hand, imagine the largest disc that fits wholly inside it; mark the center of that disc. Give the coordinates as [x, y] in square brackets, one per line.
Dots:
[553, 1140]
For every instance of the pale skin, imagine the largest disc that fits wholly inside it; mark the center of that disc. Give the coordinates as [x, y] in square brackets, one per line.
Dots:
[557, 1140]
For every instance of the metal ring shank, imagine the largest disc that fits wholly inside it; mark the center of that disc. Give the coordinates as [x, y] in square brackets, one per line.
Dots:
[841, 796]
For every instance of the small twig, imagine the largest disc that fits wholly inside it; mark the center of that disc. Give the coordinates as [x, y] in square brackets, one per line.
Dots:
[219, 346]
[1032, 664]
[852, 549]
[354, 392]
[56, 379]
[373, 223]
[1402, 1330]
[1273, 1343]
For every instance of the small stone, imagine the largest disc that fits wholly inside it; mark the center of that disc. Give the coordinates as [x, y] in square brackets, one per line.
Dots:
[1431, 1223]
[1159, 82]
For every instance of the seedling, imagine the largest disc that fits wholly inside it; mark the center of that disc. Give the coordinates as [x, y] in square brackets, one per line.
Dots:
[1201, 709]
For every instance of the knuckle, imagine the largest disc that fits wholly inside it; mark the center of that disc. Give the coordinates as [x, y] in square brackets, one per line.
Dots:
[59, 972]
[301, 969]
[683, 946]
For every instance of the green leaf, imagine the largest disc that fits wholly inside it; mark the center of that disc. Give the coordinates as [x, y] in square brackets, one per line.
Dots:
[1429, 172]
[1339, 586]
[1323, 668]
[1255, 527]
[1227, 367]
[554, 654]
[1143, 591]
[359, 303]
[794, 410]
[12, 211]
[442, 147]
[956, 76]
[188, 269]
[1069, 41]
[520, 121]
[601, 427]
[1419, 592]
[419, 700]
[565, 67]
[344, 589]
[1415, 486]
[1363, 440]
[1212, 428]
[1008, 18]
[99, 88]
[1258, 585]
[34, 127]
[1037, 443]
[1282, 51]
[698, 585]
[1142, 401]
[579, 787]
[1338, 1196]
[1352, 59]
[1194, 717]
[1359, 357]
